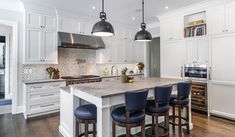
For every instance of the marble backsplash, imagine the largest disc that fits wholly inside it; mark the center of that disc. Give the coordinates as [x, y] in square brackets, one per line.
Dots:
[69, 65]
[74, 62]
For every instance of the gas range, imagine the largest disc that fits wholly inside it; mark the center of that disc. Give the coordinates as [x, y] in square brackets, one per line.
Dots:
[70, 80]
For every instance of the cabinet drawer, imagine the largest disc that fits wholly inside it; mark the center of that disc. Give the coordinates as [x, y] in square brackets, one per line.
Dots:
[37, 87]
[41, 96]
[43, 107]
[56, 85]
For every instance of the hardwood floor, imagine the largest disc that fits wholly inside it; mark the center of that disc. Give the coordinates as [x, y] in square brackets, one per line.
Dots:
[17, 126]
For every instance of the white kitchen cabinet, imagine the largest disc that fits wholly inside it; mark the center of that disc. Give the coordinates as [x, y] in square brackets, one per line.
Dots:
[138, 52]
[197, 50]
[74, 26]
[37, 20]
[221, 18]
[33, 45]
[222, 83]
[172, 59]
[50, 48]
[172, 29]
[41, 98]
[40, 39]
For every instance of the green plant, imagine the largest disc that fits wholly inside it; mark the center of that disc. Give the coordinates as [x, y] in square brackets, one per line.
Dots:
[124, 70]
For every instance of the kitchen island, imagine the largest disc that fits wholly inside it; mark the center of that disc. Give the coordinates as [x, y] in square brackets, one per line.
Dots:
[105, 95]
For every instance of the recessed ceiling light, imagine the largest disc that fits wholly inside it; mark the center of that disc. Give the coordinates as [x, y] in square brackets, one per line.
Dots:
[93, 7]
[133, 18]
[166, 7]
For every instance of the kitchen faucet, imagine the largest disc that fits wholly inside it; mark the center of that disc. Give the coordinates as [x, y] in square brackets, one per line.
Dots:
[114, 66]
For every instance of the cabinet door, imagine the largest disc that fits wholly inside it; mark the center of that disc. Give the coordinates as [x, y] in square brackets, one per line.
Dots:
[172, 59]
[50, 51]
[69, 25]
[34, 20]
[230, 14]
[216, 19]
[33, 43]
[191, 50]
[222, 85]
[202, 50]
[49, 22]
[138, 52]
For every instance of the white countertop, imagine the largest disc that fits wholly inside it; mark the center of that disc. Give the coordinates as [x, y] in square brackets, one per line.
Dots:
[115, 87]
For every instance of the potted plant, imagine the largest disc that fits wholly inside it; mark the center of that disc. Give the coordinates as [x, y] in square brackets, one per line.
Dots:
[123, 76]
[140, 67]
[53, 73]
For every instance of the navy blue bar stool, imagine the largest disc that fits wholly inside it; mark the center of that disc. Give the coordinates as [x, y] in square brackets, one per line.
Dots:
[181, 101]
[86, 114]
[133, 114]
[159, 107]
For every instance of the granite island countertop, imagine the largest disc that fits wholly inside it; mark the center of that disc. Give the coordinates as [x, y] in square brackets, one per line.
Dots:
[115, 87]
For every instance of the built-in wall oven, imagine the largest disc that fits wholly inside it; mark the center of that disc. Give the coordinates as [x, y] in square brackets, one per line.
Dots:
[197, 73]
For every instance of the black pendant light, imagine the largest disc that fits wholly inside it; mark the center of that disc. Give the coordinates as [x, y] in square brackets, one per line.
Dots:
[102, 28]
[143, 34]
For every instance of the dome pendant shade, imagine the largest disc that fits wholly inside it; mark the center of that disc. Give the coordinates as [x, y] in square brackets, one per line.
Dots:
[102, 28]
[143, 35]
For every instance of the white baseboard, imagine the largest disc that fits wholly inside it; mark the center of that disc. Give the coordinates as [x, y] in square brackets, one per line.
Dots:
[63, 131]
[20, 109]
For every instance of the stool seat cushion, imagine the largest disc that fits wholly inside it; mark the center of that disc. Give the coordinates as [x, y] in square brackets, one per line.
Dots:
[119, 115]
[151, 107]
[175, 101]
[86, 112]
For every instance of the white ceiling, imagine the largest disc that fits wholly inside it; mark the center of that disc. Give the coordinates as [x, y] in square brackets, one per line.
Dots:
[118, 10]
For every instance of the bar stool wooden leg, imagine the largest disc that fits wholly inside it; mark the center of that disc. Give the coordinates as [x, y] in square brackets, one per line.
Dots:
[187, 117]
[153, 126]
[179, 121]
[156, 126]
[143, 129]
[77, 128]
[94, 129]
[167, 123]
[128, 131]
[173, 118]
[86, 129]
[114, 130]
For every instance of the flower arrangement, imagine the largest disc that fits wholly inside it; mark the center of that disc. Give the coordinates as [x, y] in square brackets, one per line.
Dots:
[123, 76]
[140, 66]
[53, 73]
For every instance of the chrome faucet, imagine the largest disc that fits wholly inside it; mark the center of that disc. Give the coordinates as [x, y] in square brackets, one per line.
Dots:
[114, 66]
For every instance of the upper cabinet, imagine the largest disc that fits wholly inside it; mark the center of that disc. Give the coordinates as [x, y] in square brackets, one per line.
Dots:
[172, 29]
[37, 20]
[40, 39]
[197, 50]
[221, 19]
[74, 26]
[120, 51]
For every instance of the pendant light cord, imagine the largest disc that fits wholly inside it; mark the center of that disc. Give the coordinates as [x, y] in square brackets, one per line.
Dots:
[143, 25]
[143, 10]
[102, 13]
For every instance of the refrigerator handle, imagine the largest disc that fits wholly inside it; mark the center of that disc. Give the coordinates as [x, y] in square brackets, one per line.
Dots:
[210, 73]
[182, 72]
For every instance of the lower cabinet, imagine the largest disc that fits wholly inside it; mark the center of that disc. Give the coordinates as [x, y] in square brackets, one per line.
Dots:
[172, 59]
[42, 98]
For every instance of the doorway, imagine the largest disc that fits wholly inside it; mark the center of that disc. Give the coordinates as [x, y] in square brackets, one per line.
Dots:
[154, 57]
[5, 45]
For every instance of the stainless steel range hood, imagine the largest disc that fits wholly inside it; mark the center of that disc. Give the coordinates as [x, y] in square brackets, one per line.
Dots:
[69, 40]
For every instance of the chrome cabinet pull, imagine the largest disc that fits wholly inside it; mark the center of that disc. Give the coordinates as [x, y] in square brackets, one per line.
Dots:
[46, 95]
[47, 105]
[210, 73]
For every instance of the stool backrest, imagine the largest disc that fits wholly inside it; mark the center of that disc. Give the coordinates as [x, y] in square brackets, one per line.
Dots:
[163, 94]
[184, 89]
[136, 101]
